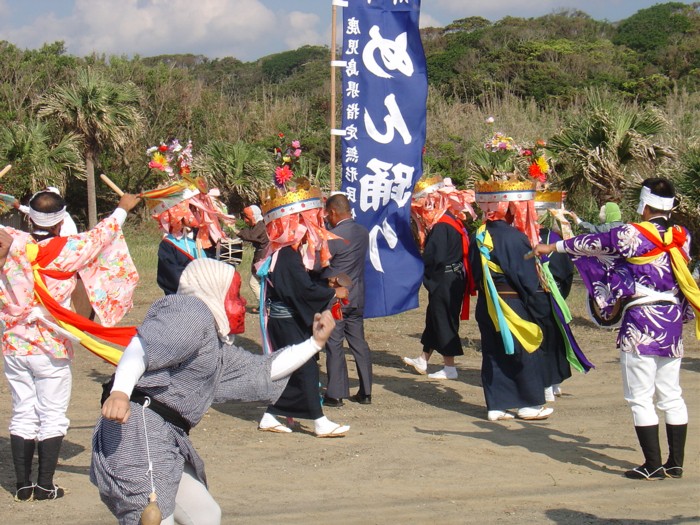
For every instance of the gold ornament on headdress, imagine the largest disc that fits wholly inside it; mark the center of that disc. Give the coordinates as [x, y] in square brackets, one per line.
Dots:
[547, 199]
[277, 202]
[427, 184]
[504, 190]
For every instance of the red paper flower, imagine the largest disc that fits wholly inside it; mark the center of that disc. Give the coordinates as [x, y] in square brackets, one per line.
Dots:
[536, 173]
[283, 174]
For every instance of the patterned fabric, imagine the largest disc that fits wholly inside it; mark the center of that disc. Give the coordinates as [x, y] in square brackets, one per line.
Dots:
[652, 329]
[102, 259]
[428, 210]
[305, 232]
[523, 212]
[188, 369]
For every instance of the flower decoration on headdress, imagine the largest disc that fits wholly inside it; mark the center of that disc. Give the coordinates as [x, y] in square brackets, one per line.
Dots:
[286, 157]
[184, 202]
[166, 155]
[497, 157]
[537, 163]
[502, 158]
[293, 210]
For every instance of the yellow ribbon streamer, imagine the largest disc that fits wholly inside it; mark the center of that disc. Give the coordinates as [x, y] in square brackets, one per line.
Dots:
[527, 333]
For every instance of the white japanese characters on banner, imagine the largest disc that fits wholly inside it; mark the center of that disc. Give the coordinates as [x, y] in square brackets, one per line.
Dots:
[384, 104]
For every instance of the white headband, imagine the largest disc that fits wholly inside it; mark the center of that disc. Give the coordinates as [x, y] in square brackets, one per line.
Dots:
[647, 198]
[46, 220]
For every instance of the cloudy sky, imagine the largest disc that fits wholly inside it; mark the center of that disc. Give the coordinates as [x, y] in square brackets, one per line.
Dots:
[245, 29]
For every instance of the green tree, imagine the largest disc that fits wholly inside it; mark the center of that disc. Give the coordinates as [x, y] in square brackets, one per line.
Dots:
[38, 159]
[103, 114]
[654, 27]
[240, 171]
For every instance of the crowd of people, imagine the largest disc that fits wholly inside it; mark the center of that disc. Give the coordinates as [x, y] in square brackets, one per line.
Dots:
[308, 276]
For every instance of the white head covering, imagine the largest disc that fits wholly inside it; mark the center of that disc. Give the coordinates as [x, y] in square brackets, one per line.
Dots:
[647, 198]
[209, 280]
[255, 213]
[46, 220]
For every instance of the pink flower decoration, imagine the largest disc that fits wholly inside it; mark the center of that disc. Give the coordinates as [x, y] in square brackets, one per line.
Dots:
[297, 152]
[295, 144]
[283, 174]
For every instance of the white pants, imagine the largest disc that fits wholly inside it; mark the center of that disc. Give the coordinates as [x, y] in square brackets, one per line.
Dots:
[40, 386]
[254, 284]
[644, 376]
[193, 503]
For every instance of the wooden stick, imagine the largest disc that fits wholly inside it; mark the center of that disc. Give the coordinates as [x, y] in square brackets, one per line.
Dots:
[113, 186]
[333, 74]
[5, 170]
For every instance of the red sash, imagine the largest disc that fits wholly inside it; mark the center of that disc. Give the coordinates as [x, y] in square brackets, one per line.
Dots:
[470, 287]
[679, 238]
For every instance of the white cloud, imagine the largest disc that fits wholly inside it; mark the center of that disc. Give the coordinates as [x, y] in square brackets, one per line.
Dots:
[214, 28]
[300, 29]
[428, 21]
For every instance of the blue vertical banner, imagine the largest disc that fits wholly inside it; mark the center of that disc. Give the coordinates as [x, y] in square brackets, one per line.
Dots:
[385, 88]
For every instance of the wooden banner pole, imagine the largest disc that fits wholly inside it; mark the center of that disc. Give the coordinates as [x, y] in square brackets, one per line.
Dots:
[333, 94]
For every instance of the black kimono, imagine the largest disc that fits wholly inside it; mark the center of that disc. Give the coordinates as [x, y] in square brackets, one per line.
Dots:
[294, 297]
[173, 256]
[509, 381]
[444, 277]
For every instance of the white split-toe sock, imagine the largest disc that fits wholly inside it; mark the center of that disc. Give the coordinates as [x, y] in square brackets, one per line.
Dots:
[325, 427]
[269, 421]
[449, 372]
[419, 364]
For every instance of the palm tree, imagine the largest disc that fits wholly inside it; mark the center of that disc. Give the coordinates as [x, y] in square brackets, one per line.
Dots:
[38, 160]
[609, 149]
[240, 170]
[101, 113]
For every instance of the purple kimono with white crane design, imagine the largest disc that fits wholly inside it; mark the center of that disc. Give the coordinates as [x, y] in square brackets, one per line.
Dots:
[602, 259]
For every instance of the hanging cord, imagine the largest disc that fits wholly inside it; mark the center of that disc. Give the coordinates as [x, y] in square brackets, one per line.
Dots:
[151, 515]
[146, 403]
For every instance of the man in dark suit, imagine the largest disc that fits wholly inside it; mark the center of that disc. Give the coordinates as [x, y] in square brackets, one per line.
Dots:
[348, 257]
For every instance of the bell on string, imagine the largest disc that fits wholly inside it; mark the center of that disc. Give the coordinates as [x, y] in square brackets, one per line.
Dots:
[151, 515]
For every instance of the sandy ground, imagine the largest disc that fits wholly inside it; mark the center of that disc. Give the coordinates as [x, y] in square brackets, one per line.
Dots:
[423, 452]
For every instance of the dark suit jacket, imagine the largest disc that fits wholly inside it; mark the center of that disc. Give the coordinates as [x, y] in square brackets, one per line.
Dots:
[349, 257]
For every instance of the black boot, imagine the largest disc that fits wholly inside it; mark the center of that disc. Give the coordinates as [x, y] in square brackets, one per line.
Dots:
[649, 440]
[676, 450]
[48, 459]
[22, 455]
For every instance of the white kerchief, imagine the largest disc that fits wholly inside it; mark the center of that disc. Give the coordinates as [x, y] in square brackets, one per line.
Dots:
[210, 280]
[46, 220]
[647, 198]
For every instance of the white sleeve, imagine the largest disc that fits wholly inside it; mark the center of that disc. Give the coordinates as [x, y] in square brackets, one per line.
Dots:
[560, 247]
[131, 367]
[292, 357]
[120, 214]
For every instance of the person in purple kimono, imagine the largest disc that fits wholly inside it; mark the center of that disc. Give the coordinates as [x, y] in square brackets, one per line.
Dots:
[646, 268]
